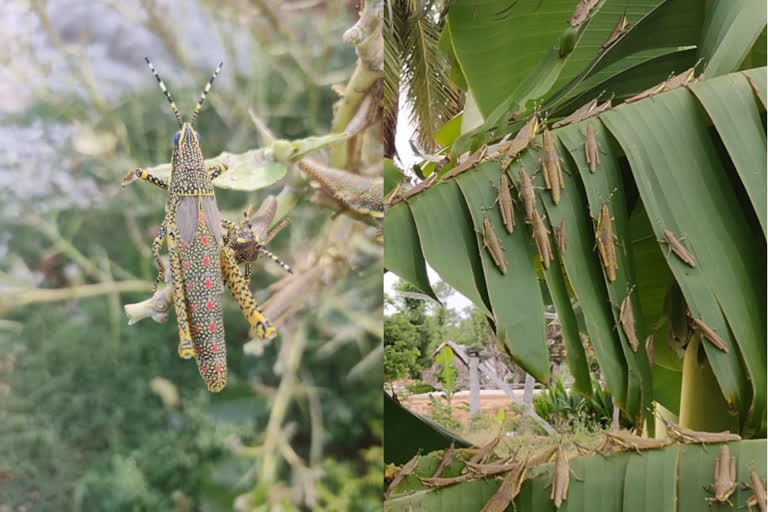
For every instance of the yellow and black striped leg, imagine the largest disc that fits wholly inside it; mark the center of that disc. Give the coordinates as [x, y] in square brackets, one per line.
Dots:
[186, 349]
[216, 171]
[230, 227]
[142, 174]
[247, 276]
[157, 243]
[242, 294]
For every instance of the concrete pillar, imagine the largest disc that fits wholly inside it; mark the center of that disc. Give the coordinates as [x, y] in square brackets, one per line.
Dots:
[474, 383]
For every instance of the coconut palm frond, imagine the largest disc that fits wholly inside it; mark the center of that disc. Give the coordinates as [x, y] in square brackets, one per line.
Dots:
[435, 99]
[395, 20]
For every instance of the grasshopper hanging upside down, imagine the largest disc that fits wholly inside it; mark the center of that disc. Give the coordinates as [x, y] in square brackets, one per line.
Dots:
[250, 238]
[199, 262]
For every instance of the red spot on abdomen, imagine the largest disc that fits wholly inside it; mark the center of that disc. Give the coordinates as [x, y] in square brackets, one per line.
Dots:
[189, 286]
[199, 350]
[186, 265]
[218, 367]
[192, 308]
[209, 305]
[208, 283]
[215, 348]
[212, 327]
[206, 260]
[204, 240]
[202, 218]
[196, 329]
[184, 246]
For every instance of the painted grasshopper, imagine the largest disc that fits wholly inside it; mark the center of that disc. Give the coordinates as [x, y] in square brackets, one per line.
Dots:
[200, 264]
[249, 238]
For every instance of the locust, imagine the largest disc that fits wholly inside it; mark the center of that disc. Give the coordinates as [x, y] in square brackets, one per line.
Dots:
[360, 194]
[650, 350]
[688, 436]
[524, 137]
[591, 149]
[561, 478]
[562, 237]
[540, 235]
[485, 452]
[447, 458]
[200, 263]
[627, 441]
[627, 319]
[491, 243]
[248, 239]
[590, 109]
[550, 166]
[758, 498]
[708, 333]
[676, 247]
[496, 468]
[618, 30]
[406, 470]
[725, 477]
[527, 194]
[506, 205]
[508, 490]
[681, 79]
[467, 164]
[606, 243]
[581, 12]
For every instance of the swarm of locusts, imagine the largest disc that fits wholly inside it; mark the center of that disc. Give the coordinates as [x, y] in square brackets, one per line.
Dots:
[202, 258]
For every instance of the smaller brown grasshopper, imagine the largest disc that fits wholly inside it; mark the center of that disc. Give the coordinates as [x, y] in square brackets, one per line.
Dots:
[709, 333]
[447, 458]
[606, 243]
[467, 164]
[650, 349]
[652, 91]
[758, 498]
[561, 478]
[591, 149]
[688, 436]
[491, 243]
[506, 203]
[550, 166]
[676, 247]
[562, 237]
[618, 30]
[406, 470]
[520, 141]
[508, 489]
[540, 233]
[527, 194]
[725, 477]
[627, 319]
[581, 12]
[684, 78]
[581, 113]
[627, 441]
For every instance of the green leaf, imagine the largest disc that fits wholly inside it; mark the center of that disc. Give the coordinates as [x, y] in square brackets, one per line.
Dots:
[405, 434]
[677, 169]
[392, 176]
[250, 176]
[516, 302]
[402, 251]
[448, 241]
[449, 131]
[724, 98]
[730, 31]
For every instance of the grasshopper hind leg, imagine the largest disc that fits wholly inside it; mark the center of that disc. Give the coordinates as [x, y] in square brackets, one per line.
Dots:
[186, 348]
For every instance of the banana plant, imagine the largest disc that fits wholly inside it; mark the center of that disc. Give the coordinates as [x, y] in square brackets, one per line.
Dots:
[663, 199]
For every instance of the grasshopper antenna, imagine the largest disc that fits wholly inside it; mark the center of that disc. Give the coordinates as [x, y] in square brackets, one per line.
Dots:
[199, 105]
[167, 94]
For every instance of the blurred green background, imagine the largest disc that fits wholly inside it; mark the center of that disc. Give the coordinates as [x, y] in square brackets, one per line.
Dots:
[96, 415]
